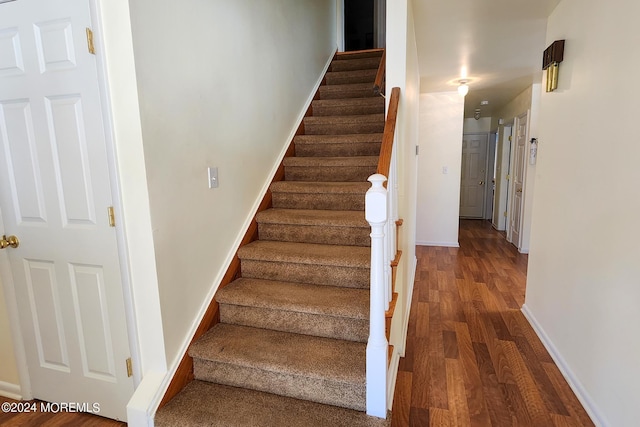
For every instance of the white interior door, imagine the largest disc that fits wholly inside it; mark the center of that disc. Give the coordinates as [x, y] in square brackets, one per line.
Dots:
[54, 195]
[473, 182]
[518, 171]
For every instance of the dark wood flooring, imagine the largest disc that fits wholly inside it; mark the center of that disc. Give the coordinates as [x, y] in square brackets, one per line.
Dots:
[472, 359]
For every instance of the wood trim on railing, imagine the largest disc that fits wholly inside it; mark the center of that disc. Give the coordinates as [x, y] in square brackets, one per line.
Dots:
[384, 162]
[378, 84]
[184, 373]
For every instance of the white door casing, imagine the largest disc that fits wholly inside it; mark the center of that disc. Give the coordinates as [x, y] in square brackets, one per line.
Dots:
[518, 172]
[473, 182]
[54, 194]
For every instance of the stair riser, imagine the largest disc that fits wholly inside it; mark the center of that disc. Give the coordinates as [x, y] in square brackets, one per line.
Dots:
[338, 150]
[326, 235]
[367, 76]
[332, 92]
[334, 174]
[340, 202]
[326, 275]
[342, 128]
[316, 390]
[295, 322]
[348, 110]
[355, 64]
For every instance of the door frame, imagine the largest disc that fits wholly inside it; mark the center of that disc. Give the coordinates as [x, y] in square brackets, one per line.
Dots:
[512, 188]
[140, 353]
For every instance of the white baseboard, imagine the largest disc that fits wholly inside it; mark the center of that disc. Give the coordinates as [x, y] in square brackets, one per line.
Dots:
[443, 244]
[10, 391]
[581, 393]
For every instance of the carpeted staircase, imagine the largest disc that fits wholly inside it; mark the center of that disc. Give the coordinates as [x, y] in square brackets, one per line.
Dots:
[290, 346]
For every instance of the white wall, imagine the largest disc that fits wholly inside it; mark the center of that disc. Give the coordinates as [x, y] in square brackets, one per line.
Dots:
[221, 84]
[483, 125]
[583, 287]
[9, 379]
[441, 127]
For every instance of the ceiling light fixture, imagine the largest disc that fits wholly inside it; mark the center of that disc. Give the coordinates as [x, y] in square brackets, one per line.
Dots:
[463, 88]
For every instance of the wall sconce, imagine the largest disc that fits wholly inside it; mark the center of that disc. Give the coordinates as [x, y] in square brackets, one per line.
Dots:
[551, 59]
[463, 88]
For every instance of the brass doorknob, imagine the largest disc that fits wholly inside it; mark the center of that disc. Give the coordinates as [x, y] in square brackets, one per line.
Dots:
[519, 190]
[9, 241]
[481, 183]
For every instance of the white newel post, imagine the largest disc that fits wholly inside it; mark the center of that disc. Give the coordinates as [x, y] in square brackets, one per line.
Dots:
[376, 215]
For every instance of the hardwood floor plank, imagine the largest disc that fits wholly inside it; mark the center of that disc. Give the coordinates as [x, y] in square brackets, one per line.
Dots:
[478, 413]
[547, 391]
[567, 396]
[527, 387]
[450, 344]
[438, 397]
[402, 400]
[494, 393]
[419, 417]
[457, 394]
[422, 320]
[439, 418]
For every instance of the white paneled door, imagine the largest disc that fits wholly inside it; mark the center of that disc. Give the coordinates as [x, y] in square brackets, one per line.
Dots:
[518, 173]
[54, 195]
[473, 180]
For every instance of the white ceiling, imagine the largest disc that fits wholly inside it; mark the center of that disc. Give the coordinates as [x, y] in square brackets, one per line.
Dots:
[495, 44]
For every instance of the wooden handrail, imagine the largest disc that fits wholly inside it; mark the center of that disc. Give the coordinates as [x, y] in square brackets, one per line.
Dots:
[384, 161]
[379, 81]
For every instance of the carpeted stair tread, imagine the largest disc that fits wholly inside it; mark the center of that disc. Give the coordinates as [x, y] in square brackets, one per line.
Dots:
[327, 227]
[330, 169]
[319, 195]
[369, 53]
[322, 370]
[204, 404]
[329, 162]
[338, 139]
[351, 76]
[303, 298]
[349, 64]
[313, 217]
[333, 125]
[306, 253]
[298, 187]
[352, 90]
[323, 311]
[275, 351]
[348, 106]
[344, 145]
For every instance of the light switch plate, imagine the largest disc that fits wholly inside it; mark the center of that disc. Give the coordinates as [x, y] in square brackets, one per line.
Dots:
[213, 177]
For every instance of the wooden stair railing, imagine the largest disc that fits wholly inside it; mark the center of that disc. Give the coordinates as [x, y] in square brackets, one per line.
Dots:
[384, 162]
[378, 84]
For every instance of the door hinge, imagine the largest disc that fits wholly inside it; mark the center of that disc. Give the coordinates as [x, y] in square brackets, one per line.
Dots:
[112, 216]
[508, 177]
[129, 367]
[510, 138]
[90, 46]
[417, 150]
[505, 213]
